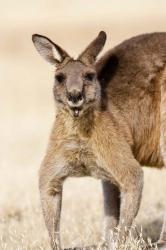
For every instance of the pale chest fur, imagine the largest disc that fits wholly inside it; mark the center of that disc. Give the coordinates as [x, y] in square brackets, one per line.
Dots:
[81, 159]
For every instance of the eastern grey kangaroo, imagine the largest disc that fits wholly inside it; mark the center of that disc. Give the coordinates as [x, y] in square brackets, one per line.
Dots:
[110, 121]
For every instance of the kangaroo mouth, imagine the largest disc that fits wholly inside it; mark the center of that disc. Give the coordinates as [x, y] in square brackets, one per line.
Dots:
[76, 107]
[76, 111]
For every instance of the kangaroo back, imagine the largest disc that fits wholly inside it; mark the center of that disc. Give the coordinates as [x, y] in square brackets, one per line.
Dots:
[130, 76]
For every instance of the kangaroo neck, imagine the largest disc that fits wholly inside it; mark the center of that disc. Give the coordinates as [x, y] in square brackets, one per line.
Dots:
[82, 125]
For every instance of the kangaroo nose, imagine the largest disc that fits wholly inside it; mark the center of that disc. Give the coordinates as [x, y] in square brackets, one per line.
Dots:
[74, 97]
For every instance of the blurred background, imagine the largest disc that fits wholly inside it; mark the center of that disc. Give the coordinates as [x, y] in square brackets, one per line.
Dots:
[27, 112]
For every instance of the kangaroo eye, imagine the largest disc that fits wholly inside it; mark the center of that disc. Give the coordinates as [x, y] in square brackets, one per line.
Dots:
[89, 76]
[60, 78]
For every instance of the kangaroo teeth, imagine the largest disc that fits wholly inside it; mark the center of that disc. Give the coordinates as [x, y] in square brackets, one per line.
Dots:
[76, 112]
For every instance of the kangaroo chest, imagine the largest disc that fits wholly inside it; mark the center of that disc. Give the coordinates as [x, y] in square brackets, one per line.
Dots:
[82, 160]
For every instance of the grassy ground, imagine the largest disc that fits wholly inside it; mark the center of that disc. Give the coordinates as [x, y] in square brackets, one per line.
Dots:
[21, 223]
[27, 112]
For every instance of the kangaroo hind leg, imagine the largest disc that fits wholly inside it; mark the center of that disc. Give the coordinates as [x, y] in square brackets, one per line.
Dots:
[111, 208]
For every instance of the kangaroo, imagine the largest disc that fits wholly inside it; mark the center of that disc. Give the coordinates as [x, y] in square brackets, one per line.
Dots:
[110, 121]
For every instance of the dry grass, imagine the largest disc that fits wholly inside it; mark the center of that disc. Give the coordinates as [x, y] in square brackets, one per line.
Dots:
[22, 227]
[27, 111]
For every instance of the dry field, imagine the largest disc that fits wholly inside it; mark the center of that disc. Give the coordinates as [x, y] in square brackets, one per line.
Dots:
[27, 112]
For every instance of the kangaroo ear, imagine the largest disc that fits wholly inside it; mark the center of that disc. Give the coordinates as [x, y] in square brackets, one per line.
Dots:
[91, 52]
[47, 49]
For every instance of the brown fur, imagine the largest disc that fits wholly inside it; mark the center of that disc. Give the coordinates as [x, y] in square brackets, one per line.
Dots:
[120, 126]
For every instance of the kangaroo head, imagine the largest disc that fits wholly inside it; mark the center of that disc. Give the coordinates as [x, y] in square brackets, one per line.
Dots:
[76, 87]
